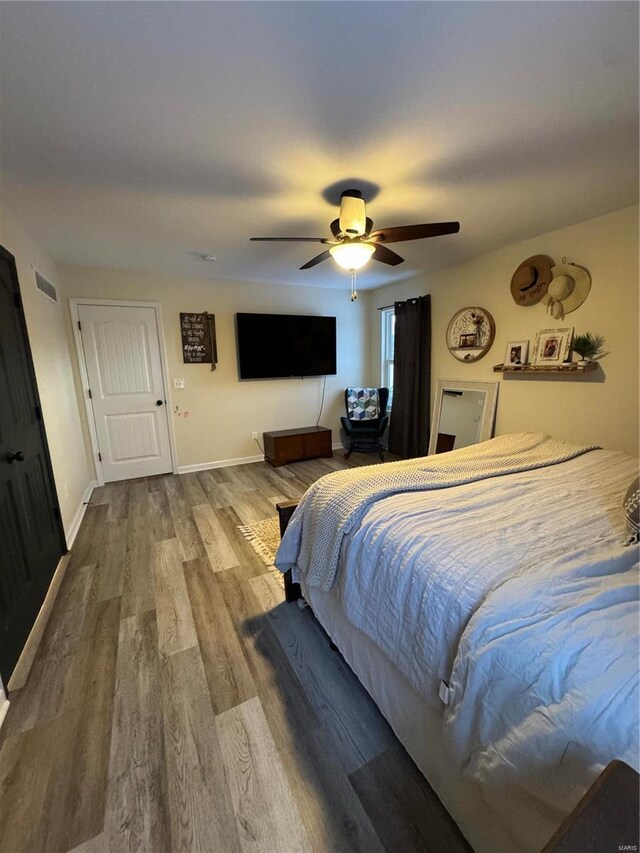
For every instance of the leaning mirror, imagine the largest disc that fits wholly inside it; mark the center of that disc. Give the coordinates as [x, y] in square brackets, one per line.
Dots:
[463, 414]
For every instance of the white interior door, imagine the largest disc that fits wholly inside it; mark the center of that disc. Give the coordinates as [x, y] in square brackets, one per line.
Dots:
[122, 355]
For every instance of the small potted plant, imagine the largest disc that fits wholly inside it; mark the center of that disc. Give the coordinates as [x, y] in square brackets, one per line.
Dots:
[588, 347]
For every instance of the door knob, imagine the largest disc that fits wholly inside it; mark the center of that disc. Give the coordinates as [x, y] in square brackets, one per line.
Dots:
[159, 402]
[18, 456]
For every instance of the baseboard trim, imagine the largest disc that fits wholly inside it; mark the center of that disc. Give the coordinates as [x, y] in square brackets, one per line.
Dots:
[23, 667]
[4, 706]
[220, 463]
[226, 463]
[71, 534]
[25, 661]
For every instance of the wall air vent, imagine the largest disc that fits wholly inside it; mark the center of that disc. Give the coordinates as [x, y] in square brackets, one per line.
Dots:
[45, 286]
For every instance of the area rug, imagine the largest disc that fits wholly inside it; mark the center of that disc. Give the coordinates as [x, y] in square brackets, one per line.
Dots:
[264, 538]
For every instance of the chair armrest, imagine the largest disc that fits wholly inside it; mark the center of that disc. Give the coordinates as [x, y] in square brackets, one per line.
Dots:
[346, 424]
[384, 422]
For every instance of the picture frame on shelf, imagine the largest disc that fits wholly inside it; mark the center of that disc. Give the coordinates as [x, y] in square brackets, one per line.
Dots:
[468, 340]
[517, 353]
[553, 347]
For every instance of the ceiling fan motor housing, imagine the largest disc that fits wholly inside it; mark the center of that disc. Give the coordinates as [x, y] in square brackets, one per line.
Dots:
[353, 217]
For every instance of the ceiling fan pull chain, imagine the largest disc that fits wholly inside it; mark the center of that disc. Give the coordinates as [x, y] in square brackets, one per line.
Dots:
[354, 292]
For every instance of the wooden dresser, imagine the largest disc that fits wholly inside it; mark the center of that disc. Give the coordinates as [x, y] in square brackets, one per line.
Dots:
[293, 445]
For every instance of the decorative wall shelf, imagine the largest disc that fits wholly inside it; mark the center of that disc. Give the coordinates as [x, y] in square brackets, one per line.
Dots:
[470, 333]
[568, 370]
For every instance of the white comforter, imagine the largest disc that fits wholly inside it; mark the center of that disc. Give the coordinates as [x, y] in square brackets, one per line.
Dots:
[520, 594]
[334, 505]
[545, 682]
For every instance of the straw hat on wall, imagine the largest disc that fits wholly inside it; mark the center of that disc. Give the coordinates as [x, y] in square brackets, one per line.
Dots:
[567, 290]
[530, 281]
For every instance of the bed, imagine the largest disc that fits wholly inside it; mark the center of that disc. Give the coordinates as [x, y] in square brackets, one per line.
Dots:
[487, 601]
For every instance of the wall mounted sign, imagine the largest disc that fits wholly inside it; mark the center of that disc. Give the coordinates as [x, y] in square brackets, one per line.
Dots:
[198, 333]
[470, 334]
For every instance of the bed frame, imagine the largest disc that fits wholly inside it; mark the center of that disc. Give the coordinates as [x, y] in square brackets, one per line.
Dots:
[285, 511]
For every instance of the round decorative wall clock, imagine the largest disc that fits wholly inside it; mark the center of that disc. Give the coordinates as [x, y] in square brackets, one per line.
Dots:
[470, 334]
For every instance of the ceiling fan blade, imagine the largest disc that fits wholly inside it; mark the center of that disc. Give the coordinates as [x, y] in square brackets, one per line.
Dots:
[386, 256]
[414, 232]
[289, 239]
[317, 260]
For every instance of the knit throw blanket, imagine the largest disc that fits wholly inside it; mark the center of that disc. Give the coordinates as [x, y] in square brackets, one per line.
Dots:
[335, 504]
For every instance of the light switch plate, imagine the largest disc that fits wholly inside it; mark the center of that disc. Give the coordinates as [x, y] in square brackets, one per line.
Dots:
[178, 383]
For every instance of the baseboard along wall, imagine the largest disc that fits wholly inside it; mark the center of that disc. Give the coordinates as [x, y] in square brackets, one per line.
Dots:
[25, 661]
[4, 704]
[226, 463]
[23, 667]
[219, 463]
[72, 532]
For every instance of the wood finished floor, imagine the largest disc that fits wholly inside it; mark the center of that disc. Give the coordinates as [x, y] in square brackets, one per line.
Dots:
[176, 703]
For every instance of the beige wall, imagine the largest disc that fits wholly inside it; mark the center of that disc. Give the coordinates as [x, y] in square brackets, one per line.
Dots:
[223, 411]
[603, 407]
[46, 323]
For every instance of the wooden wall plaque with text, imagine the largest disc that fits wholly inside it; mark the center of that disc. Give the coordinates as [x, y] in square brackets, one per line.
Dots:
[198, 334]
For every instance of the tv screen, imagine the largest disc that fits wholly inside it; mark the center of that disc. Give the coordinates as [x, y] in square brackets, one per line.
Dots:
[272, 346]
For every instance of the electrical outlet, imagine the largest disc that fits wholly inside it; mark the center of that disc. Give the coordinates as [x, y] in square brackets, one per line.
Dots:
[254, 436]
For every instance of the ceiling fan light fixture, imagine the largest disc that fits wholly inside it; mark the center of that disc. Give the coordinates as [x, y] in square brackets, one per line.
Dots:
[352, 256]
[353, 216]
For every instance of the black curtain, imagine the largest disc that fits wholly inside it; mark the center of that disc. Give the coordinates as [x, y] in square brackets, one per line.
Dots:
[409, 427]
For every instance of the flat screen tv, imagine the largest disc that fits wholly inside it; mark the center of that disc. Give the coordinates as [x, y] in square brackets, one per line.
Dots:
[272, 346]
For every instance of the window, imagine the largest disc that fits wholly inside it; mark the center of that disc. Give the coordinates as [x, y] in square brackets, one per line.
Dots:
[387, 335]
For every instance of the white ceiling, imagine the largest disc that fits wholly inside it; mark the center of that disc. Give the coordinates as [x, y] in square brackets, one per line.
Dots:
[140, 134]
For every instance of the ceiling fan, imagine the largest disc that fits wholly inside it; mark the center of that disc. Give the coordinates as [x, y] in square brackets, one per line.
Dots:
[354, 242]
